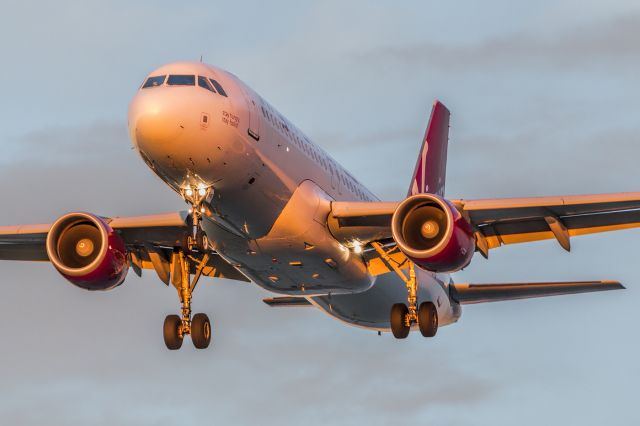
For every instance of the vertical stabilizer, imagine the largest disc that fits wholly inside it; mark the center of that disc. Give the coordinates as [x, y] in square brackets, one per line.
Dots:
[431, 167]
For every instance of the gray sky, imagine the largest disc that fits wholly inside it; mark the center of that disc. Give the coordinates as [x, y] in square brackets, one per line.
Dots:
[544, 99]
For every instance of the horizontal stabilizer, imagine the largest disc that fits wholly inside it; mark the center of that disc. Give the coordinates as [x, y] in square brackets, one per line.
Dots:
[276, 302]
[480, 293]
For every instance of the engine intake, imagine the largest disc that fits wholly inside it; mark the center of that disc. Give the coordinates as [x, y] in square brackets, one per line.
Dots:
[432, 233]
[87, 251]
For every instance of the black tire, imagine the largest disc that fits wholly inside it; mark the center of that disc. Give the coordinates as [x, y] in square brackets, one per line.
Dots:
[399, 328]
[202, 242]
[205, 243]
[428, 319]
[171, 332]
[201, 331]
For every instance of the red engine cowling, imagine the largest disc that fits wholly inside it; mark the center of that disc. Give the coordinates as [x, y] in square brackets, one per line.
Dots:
[87, 252]
[432, 233]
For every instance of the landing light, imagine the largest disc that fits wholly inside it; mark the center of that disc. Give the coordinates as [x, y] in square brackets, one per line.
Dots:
[189, 192]
[202, 191]
[357, 247]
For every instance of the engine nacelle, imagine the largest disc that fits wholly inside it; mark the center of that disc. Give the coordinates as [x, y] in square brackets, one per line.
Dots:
[432, 233]
[87, 252]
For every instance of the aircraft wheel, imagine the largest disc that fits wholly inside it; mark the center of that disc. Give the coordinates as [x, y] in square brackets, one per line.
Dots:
[399, 327]
[171, 332]
[200, 331]
[200, 242]
[203, 243]
[428, 319]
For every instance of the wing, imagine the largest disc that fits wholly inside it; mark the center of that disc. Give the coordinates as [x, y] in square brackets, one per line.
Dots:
[481, 293]
[498, 222]
[520, 220]
[149, 239]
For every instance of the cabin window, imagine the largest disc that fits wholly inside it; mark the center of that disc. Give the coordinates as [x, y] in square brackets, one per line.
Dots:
[181, 80]
[204, 83]
[218, 87]
[154, 81]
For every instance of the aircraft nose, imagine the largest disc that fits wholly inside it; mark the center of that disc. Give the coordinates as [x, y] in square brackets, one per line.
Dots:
[156, 122]
[174, 131]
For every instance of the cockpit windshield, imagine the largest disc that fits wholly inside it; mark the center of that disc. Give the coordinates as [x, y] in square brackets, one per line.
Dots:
[154, 81]
[181, 80]
[185, 80]
[204, 83]
[218, 87]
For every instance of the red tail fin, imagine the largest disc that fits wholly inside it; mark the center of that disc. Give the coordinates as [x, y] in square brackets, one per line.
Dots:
[431, 168]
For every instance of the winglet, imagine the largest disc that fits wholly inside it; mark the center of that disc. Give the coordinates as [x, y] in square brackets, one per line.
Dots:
[431, 167]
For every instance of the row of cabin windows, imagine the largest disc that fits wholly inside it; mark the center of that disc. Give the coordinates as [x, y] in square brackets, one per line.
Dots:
[306, 146]
[280, 123]
[185, 80]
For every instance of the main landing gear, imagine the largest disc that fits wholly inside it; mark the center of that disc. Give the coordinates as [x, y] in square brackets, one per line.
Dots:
[402, 316]
[176, 327]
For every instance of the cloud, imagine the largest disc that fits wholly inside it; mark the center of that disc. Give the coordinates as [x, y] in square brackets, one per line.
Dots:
[51, 171]
[546, 157]
[597, 43]
[93, 143]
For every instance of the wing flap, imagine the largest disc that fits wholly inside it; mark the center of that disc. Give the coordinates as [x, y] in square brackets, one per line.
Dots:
[481, 293]
[513, 231]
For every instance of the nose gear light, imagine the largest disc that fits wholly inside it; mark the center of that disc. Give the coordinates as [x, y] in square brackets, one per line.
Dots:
[196, 197]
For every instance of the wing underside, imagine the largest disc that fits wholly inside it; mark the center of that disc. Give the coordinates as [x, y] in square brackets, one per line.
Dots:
[497, 222]
[150, 241]
[519, 220]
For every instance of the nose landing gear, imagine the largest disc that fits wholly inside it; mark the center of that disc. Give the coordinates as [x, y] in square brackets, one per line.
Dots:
[196, 196]
[176, 327]
[402, 317]
[194, 256]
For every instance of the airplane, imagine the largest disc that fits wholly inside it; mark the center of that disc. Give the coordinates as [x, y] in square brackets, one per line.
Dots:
[268, 206]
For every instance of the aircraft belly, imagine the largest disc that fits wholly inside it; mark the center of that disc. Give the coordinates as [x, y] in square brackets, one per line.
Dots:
[305, 258]
[298, 255]
[371, 309]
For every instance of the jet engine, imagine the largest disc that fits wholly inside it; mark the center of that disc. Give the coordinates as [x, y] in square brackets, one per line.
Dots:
[87, 251]
[432, 233]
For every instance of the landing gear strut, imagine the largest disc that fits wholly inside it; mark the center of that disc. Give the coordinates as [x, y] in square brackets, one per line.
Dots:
[176, 327]
[402, 316]
[196, 197]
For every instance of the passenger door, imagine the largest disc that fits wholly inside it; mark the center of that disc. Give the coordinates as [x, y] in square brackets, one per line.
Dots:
[254, 114]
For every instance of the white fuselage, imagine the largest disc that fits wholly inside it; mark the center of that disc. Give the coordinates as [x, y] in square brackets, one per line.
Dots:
[271, 189]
